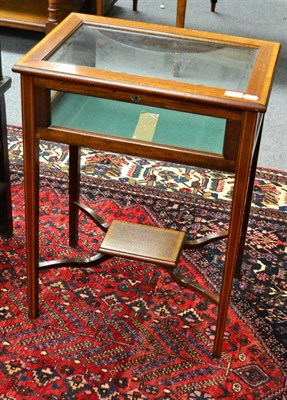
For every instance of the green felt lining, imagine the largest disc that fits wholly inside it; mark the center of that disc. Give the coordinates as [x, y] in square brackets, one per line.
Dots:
[118, 118]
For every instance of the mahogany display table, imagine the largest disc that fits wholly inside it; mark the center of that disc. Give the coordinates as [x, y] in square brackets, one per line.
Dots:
[158, 92]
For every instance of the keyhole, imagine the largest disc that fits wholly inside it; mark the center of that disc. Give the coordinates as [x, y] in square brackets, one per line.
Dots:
[136, 99]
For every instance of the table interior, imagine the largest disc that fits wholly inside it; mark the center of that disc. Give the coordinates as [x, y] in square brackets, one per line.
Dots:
[118, 118]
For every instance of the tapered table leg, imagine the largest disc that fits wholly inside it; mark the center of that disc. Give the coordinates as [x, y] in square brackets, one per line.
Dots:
[100, 7]
[236, 224]
[181, 11]
[213, 5]
[248, 204]
[31, 186]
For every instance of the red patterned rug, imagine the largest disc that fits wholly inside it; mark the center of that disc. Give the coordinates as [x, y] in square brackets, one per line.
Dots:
[123, 330]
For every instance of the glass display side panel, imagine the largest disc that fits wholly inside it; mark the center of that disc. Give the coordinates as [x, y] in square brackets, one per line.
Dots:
[140, 122]
[158, 56]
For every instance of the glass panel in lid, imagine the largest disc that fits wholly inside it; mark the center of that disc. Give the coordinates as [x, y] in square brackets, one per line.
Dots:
[158, 56]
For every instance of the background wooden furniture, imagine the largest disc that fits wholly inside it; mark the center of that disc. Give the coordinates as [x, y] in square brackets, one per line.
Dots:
[47, 68]
[36, 15]
[5, 189]
[180, 10]
[44, 15]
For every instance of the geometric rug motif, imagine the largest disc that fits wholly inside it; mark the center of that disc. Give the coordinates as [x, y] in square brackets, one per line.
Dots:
[270, 189]
[123, 329]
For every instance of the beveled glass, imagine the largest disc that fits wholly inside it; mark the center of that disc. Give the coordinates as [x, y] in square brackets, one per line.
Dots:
[159, 56]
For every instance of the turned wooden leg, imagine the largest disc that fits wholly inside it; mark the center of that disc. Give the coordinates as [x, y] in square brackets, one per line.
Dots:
[53, 15]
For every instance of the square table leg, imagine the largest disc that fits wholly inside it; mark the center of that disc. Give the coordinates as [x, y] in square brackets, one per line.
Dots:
[31, 186]
[100, 7]
[180, 13]
[236, 224]
[213, 5]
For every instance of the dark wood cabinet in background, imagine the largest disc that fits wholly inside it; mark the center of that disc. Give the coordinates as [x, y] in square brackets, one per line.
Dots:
[5, 189]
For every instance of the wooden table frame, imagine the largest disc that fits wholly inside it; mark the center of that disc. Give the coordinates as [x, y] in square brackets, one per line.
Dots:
[244, 113]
